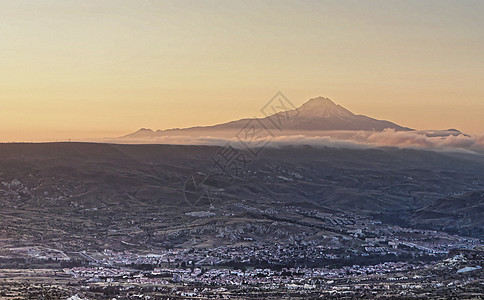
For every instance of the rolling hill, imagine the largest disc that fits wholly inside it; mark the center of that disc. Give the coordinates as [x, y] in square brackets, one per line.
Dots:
[78, 195]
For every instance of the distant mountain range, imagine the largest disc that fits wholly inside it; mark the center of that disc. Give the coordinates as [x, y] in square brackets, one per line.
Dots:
[317, 114]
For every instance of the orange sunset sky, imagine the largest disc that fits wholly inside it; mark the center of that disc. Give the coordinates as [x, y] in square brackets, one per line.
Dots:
[92, 69]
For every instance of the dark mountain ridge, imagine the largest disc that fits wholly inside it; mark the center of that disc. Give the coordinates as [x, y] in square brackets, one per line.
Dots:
[69, 194]
[459, 213]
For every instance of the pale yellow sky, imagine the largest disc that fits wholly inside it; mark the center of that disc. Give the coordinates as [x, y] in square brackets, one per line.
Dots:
[81, 69]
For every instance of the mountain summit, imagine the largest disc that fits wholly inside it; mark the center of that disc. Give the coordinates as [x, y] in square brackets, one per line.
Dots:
[323, 107]
[317, 114]
[322, 114]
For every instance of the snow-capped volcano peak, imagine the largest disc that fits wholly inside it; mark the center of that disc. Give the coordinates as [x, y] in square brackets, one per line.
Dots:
[317, 114]
[321, 107]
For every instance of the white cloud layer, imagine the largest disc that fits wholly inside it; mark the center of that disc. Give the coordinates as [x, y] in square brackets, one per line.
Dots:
[346, 139]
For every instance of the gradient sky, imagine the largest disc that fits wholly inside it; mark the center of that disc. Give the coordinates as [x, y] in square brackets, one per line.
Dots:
[81, 69]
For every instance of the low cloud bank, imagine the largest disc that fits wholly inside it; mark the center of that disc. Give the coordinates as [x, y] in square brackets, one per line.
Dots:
[390, 137]
[344, 139]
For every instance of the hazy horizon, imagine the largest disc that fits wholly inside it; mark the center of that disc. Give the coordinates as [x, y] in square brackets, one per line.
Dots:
[99, 69]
